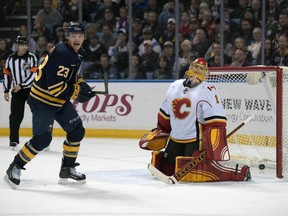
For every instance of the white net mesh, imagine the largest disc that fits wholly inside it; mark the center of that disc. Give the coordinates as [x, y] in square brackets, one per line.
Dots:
[253, 91]
[285, 122]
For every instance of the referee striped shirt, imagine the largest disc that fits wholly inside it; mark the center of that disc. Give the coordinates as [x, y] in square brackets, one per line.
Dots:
[19, 70]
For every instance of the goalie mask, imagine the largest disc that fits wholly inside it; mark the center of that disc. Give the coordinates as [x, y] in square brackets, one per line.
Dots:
[196, 73]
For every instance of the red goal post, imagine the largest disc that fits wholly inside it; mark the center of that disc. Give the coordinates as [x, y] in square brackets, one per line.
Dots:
[263, 92]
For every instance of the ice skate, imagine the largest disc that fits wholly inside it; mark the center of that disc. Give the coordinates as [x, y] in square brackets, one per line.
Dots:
[13, 145]
[69, 175]
[12, 177]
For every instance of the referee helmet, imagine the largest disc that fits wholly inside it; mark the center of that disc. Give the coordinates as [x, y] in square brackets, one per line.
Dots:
[21, 40]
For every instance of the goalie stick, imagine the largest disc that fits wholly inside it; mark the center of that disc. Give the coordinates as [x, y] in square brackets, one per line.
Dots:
[190, 165]
[106, 91]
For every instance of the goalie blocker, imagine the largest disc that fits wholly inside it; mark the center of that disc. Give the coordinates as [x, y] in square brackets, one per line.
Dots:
[208, 169]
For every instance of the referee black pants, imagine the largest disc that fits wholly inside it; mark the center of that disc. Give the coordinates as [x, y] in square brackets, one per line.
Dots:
[17, 108]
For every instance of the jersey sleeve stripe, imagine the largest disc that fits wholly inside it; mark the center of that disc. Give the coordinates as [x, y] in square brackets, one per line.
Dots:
[55, 85]
[45, 95]
[60, 92]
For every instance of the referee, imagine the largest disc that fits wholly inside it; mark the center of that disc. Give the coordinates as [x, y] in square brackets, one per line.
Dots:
[19, 71]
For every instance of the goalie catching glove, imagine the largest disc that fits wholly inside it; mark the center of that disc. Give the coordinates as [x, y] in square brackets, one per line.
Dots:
[82, 92]
[154, 140]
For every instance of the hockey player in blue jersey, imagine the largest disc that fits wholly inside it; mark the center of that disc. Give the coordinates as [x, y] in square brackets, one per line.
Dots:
[57, 81]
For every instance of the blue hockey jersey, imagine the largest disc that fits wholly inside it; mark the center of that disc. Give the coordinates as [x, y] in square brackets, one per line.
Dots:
[56, 76]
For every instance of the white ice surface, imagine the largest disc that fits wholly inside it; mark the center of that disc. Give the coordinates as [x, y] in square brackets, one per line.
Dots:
[118, 183]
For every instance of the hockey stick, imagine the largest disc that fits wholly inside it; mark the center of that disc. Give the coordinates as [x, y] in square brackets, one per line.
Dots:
[106, 91]
[190, 165]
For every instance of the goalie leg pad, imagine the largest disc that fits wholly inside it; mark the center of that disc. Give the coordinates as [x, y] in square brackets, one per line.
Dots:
[215, 143]
[211, 171]
[159, 162]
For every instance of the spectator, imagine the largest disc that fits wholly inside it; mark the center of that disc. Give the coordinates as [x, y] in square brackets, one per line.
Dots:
[239, 10]
[39, 29]
[163, 70]
[107, 38]
[228, 33]
[256, 9]
[40, 46]
[4, 53]
[147, 35]
[107, 4]
[95, 7]
[239, 43]
[49, 46]
[90, 33]
[70, 10]
[283, 5]
[145, 18]
[91, 57]
[150, 57]
[280, 57]
[169, 52]
[208, 24]
[283, 22]
[200, 43]
[142, 5]
[271, 25]
[119, 52]
[153, 6]
[52, 18]
[184, 26]
[240, 59]
[216, 51]
[104, 67]
[59, 35]
[137, 69]
[268, 53]
[108, 18]
[249, 14]
[122, 20]
[245, 31]
[137, 31]
[215, 61]
[166, 14]
[169, 33]
[255, 46]
[202, 8]
[272, 8]
[194, 25]
[65, 25]
[32, 43]
[185, 54]
[194, 9]
[153, 24]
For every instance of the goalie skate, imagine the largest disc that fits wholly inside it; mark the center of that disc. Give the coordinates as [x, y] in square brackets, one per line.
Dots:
[69, 175]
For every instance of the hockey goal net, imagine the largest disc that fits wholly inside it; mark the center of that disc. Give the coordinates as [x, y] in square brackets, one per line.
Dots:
[262, 92]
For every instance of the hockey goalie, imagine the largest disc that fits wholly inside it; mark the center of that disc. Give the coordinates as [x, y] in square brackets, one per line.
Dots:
[192, 120]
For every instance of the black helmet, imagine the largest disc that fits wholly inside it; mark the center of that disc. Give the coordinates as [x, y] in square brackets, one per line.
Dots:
[21, 40]
[75, 27]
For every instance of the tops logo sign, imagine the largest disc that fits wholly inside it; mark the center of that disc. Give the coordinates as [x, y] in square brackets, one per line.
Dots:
[118, 104]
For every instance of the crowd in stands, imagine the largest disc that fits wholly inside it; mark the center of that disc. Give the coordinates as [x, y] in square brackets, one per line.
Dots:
[106, 47]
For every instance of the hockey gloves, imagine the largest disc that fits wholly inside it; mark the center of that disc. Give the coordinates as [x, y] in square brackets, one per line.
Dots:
[82, 92]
